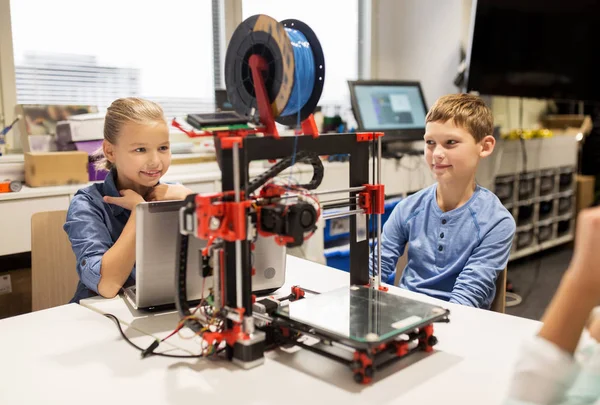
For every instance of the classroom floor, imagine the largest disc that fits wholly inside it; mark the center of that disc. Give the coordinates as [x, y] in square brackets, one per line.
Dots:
[536, 278]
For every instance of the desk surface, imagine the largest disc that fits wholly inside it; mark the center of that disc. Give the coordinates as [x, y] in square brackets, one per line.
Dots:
[71, 355]
[83, 353]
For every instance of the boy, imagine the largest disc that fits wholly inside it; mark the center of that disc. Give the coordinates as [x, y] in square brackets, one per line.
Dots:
[459, 233]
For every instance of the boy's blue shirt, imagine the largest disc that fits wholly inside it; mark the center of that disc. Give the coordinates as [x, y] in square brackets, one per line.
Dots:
[455, 256]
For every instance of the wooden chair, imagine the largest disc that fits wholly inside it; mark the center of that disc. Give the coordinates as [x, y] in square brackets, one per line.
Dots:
[499, 302]
[53, 275]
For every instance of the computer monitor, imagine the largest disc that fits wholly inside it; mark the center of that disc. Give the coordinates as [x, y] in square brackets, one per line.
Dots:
[221, 101]
[396, 108]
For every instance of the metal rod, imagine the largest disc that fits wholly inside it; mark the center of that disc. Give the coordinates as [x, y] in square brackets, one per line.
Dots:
[343, 214]
[341, 190]
[309, 291]
[238, 243]
[322, 352]
[262, 317]
[338, 200]
[338, 205]
[378, 215]
[216, 254]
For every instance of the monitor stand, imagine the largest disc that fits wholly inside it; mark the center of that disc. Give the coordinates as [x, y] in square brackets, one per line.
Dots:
[399, 149]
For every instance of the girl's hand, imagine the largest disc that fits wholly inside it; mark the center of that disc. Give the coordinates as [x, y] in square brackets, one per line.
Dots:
[129, 200]
[166, 192]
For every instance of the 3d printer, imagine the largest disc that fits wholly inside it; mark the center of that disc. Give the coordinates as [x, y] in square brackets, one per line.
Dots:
[275, 72]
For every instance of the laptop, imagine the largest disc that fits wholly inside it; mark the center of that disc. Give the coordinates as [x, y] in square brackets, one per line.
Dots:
[157, 227]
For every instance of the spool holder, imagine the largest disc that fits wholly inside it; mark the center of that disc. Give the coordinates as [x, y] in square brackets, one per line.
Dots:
[261, 45]
[319, 59]
[258, 65]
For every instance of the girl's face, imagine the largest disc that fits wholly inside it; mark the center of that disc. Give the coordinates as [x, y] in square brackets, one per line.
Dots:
[142, 154]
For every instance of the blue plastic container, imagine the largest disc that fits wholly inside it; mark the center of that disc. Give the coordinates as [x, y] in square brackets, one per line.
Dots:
[338, 257]
[339, 228]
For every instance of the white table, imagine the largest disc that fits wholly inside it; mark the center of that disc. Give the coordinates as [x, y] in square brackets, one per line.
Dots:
[71, 355]
[471, 365]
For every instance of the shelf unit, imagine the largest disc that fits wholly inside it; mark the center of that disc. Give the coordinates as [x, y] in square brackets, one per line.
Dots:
[541, 198]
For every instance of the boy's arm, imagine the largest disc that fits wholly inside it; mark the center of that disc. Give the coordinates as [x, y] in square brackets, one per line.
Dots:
[476, 283]
[393, 241]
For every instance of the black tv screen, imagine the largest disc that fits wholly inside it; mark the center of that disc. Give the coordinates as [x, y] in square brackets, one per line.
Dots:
[536, 48]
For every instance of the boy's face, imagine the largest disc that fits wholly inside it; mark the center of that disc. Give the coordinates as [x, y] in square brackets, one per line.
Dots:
[452, 153]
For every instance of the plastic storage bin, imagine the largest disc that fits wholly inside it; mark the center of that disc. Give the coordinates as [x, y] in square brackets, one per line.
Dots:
[526, 186]
[524, 238]
[504, 188]
[564, 227]
[547, 182]
[339, 228]
[525, 214]
[565, 204]
[544, 232]
[565, 179]
[338, 257]
[546, 209]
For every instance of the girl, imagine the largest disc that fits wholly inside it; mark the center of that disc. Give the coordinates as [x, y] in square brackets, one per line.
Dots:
[101, 218]
[559, 366]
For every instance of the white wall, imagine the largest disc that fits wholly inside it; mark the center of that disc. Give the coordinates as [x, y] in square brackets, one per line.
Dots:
[418, 40]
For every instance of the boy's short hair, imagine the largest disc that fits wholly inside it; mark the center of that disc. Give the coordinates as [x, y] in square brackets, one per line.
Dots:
[466, 111]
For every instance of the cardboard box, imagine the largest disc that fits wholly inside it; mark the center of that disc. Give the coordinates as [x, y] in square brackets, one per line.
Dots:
[56, 168]
[15, 292]
[80, 128]
[585, 192]
[568, 124]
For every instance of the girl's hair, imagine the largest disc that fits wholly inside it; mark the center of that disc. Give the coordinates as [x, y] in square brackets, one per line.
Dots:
[124, 111]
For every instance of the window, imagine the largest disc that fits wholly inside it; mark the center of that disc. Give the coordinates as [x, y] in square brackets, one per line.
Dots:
[83, 52]
[339, 41]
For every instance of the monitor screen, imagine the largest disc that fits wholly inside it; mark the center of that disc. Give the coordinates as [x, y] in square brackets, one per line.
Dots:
[535, 48]
[222, 101]
[396, 108]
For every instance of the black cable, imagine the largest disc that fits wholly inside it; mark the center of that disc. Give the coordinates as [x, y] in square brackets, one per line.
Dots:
[523, 149]
[524, 153]
[149, 351]
[521, 113]
[300, 157]
[181, 302]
